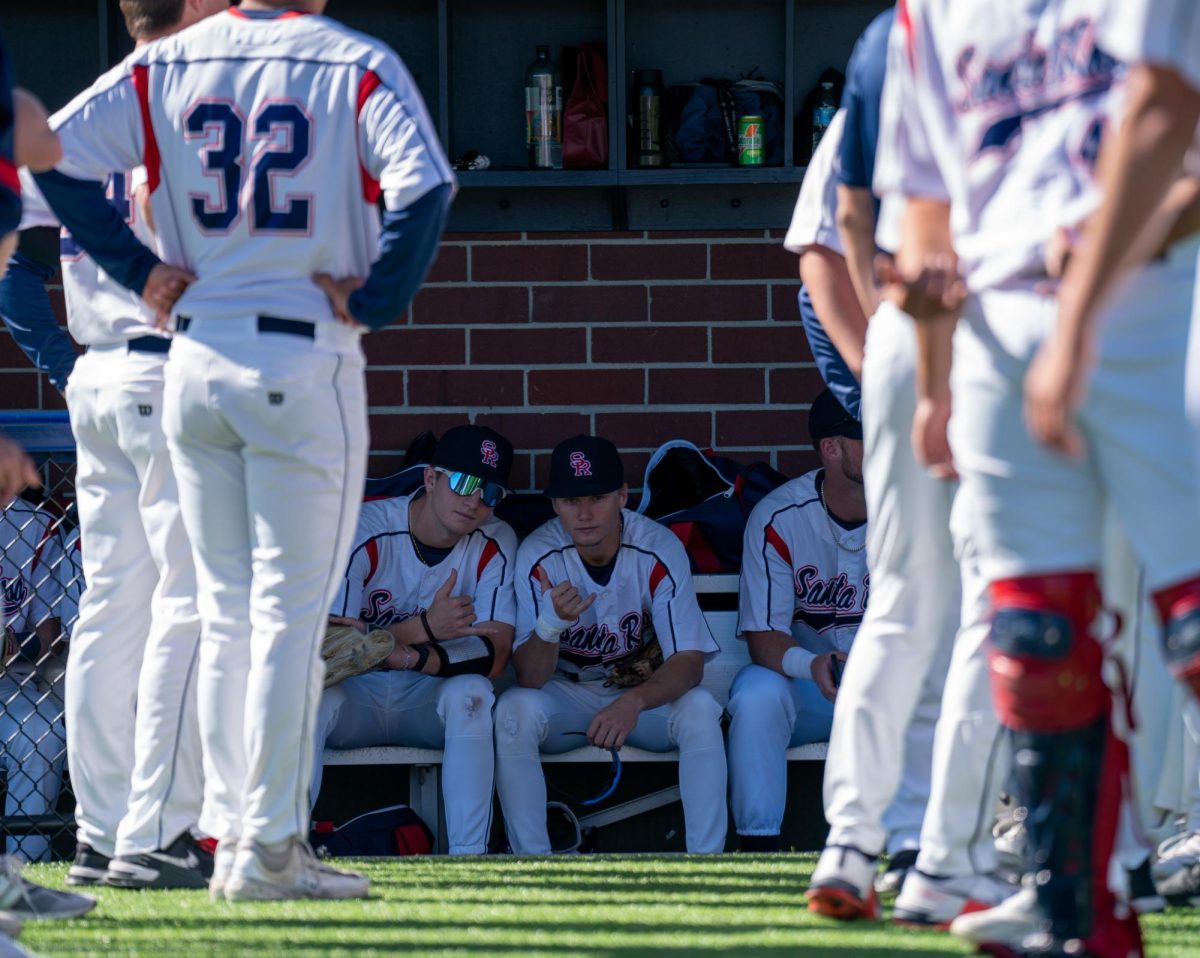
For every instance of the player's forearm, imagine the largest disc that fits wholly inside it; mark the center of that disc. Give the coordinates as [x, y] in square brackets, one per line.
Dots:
[1137, 167]
[856, 227]
[501, 635]
[534, 662]
[836, 303]
[935, 354]
[769, 650]
[681, 672]
[36, 146]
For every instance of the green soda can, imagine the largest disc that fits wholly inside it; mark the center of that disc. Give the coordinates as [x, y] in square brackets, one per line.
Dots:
[750, 141]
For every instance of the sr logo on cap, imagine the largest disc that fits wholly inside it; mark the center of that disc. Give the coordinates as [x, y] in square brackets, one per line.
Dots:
[581, 465]
[490, 456]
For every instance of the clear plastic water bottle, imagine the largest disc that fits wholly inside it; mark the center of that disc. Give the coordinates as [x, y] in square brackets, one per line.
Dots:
[823, 112]
[543, 112]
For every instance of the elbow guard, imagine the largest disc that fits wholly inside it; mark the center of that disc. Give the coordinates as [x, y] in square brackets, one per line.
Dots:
[469, 655]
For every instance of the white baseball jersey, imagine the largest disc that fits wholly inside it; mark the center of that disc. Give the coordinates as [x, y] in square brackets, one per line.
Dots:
[30, 556]
[262, 138]
[814, 220]
[650, 593]
[1162, 32]
[99, 309]
[802, 573]
[386, 581]
[997, 109]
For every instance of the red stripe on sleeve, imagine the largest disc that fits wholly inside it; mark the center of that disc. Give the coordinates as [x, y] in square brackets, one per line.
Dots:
[490, 551]
[910, 41]
[366, 86]
[8, 175]
[373, 556]
[533, 574]
[776, 540]
[150, 155]
[657, 574]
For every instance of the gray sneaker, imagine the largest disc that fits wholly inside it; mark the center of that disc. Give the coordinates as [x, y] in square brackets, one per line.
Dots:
[288, 870]
[10, 949]
[22, 900]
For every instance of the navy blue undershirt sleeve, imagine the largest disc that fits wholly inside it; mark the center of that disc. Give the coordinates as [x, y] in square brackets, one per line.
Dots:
[830, 365]
[407, 245]
[861, 100]
[95, 224]
[26, 311]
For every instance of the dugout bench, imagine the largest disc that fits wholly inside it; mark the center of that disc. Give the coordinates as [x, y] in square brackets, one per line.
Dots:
[718, 600]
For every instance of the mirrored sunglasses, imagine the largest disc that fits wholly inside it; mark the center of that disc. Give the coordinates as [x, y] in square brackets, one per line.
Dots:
[465, 484]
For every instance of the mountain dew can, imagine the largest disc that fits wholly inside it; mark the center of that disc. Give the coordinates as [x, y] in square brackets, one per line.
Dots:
[750, 141]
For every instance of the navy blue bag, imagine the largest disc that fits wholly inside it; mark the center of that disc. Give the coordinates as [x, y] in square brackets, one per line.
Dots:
[707, 130]
[395, 830]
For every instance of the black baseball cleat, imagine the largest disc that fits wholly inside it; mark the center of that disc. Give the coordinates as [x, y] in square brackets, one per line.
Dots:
[1182, 887]
[892, 879]
[1143, 896]
[89, 866]
[182, 864]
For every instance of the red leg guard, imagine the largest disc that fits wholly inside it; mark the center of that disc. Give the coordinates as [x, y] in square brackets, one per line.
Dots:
[1044, 663]
[1179, 610]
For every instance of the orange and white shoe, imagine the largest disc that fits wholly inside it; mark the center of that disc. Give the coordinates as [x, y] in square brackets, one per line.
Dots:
[931, 902]
[843, 885]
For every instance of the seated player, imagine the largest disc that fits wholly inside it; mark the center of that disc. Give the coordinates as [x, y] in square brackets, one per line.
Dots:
[611, 645]
[803, 592]
[435, 569]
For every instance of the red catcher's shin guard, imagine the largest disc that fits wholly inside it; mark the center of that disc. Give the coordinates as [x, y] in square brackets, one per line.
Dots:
[1179, 610]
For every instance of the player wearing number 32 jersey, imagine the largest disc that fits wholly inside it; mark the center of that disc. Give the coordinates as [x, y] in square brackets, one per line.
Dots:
[268, 135]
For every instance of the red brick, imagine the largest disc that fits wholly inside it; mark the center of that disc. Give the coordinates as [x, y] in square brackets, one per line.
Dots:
[772, 343]
[794, 385]
[650, 344]
[586, 388]
[704, 234]
[385, 387]
[11, 356]
[520, 478]
[59, 304]
[465, 388]
[648, 261]
[708, 303]
[705, 386]
[753, 261]
[589, 304]
[406, 346]
[589, 235]
[654, 428]
[394, 431]
[482, 237]
[528, 347]
[51, 397]
[784, 307]
[519, 262]
[762, 427]
[450, 266]
[536, 430]
[796, 462]
[19, 390]
[466, 305]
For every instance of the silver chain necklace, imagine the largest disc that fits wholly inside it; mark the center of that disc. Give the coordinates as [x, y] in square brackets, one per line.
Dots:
[833, 526]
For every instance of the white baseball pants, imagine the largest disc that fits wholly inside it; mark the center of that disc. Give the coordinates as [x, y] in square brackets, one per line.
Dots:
[878, 771]
[533, 720]
[136, 778]
[423, 711]
[268, 434]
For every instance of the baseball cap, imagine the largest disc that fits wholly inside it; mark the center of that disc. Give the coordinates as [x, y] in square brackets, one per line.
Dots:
[828, 417]
[585, 466]
[476, 451]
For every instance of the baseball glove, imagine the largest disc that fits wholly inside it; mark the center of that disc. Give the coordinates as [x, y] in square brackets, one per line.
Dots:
[347, 651]
[634, 669]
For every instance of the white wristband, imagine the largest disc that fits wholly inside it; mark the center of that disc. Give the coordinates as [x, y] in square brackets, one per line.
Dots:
[797, 663]
[549, 627]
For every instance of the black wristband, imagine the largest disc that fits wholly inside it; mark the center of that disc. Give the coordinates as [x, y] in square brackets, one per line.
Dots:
[422, 651]
[428, 630]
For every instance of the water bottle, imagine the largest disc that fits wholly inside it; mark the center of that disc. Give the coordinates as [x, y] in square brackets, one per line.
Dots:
[823, 111]
[649, 100]
[543, 112]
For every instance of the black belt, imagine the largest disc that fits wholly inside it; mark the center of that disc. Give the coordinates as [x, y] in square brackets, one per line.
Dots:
[149, 344]
[266, 324]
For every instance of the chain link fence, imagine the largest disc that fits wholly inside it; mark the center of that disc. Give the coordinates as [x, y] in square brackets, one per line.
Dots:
[42, 580]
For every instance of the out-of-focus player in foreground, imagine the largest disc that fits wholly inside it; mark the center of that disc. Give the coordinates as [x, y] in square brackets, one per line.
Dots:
[268, 133]
[991, 130]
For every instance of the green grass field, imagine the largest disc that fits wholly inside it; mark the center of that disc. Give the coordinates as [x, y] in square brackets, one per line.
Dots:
[595, 906]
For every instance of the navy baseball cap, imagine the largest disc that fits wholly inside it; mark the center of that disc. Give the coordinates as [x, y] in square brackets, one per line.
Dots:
[476, 451]
[585, 466]
[828, 417]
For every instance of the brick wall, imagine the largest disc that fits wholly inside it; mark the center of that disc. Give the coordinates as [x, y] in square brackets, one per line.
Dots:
[641, 337]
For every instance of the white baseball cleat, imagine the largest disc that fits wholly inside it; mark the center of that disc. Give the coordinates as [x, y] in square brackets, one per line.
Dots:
[934, 902]
[843, 885]
[288, 870]
[1175, 854]
[1009, 923]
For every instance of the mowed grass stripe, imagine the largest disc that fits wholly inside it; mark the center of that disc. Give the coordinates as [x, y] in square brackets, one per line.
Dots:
[561, 907]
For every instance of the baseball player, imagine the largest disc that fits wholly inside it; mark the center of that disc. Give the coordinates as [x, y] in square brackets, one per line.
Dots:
[268, 133]
[991, 123]
[435, 568]
[611, 645]
[802, 594]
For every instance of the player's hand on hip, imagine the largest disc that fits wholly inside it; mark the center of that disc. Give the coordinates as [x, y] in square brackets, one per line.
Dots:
[1054, 387]
[164, 286]
[16, 471]
[930, 442]
[823, 674]
[613, 723]
[8, 246]
[338, 292]
[451, 616]
[569, 605]
[930, 290]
